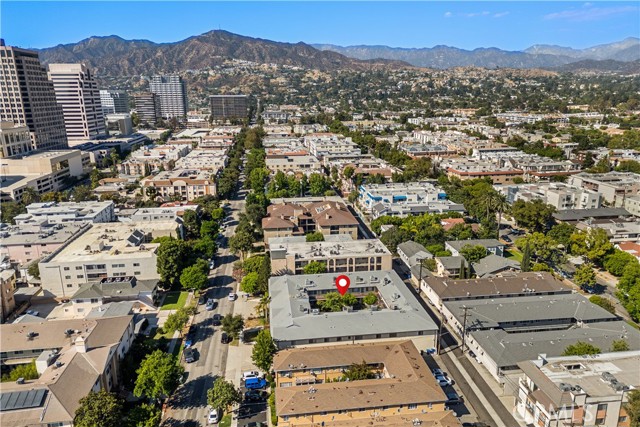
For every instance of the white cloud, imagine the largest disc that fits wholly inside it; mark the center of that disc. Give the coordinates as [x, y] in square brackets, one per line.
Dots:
[448, 14]
[500, 14]
[473, 15]
[589, 13]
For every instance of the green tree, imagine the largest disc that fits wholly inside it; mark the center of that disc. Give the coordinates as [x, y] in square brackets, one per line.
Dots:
[232, 325]
[315, 237]
[82, 193]
[241, 242]
[30, 195]
[534, 215]
[561, 233]
[580, 348]
[27, 371]
[525, 264]
[370, 299]
[594, 244]
[223, 395]
[584, 276]
[101, 409]
[633, 408]
[176, 321]
[619, 345]
[604, 303]
[191, 222]
[358, 371]
[263, 350]
[34, 269]
[318, 184]
[10, 210]
[543, 248]
[473, 253]
[249, 283]
[158, 375]
[144, 415]
[173, 257]
[315, 267]
[195, 277]
[348, 172]
[253, 264]
[617, 261]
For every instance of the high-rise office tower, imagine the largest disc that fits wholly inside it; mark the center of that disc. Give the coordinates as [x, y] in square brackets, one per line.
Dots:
[172, 94]
[27, 98]
[229, 106]
[147, 107]
[78, 95]
[114, 102]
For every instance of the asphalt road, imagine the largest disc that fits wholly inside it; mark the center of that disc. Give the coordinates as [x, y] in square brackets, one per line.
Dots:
[188, 405]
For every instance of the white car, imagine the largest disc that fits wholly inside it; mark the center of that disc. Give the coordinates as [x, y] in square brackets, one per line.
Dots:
[444, 381]
[251, 374]
[33, 312]
[213, 417]
[232, 296]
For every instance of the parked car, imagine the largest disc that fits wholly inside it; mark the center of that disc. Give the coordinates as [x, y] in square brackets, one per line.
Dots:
[254, 396]
[189, 355]
[255, 383]
[475, 357]
[233, 296]
[255, 424]
[202, 299]
[431, 351]
[507, 239]
[211, 304]
[212, 265]
[33, 312]
[437, 372]
[213, 417]
[443, 380]
[251, 374]
[453, 398]
[216, 320]
[224, 338]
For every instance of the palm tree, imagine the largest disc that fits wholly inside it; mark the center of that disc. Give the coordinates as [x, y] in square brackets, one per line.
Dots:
[501, 205]
[262, 308]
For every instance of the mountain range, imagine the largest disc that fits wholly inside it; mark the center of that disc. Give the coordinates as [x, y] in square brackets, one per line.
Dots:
[113, 55]
[537, 56]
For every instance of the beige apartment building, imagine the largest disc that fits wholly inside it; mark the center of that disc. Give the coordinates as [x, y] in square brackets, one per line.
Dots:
[104, 250]
[14, 139]
[7, 289]
[78, 95]
[179, 185]
[43, 171]
[27, 98]
[309, 390]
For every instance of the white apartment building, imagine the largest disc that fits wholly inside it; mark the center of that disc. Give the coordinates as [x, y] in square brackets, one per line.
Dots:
[14, 139]
[172, 94]
[153, 156]
[179, 184]
[399, 193]
[294, 164]
[27, 98]
[64, 212]
[104, 250]
[322, 144]
[78, 95]
[614, 187]
[212, 160]
[559, 195]
[114, 102]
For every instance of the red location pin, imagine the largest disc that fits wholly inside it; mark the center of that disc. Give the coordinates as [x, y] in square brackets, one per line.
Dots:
[342, 283]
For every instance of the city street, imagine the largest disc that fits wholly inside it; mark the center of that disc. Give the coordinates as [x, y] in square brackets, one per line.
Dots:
[188, 405]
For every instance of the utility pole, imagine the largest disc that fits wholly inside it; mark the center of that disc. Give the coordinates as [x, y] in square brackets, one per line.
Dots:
[420, 278]
[439, 338]
[464, 326]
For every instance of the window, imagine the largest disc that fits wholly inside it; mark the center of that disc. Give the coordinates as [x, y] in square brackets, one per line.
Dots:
[413, 406]
[94, 300]
[136, 273]
[136, 264]
[622, 419]
[67, 277]
[66, 269]
[80, 276]
[602, 407]
[599, 421]
[69, 285]
[79, 268]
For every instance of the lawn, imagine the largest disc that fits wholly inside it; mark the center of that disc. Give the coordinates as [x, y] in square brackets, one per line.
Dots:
[225, 421]
[174, 300]
[513, 253]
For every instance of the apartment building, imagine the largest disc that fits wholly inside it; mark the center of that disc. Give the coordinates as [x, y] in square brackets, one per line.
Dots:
[104, 250]
[43, 171]
[573, 216]
[404, 387]
[325, 144]
[424, 150]
[163, 213]
[78, 95]
[619, 230]
[29, 242]
[294, 164]
[537, 168]
[271, 117]
[7, 289]
[300, 218]
[559, 195]
[114, 102]
[27, 98]
[179, 184]
[147, 107]
[492, 246]
[632, 205]
[614, 187]
[65, 212]
[211, 160]
[151, 157]
[296, 300]
[73, 357]
[14, 139]
[225, 107]
[172, 95]
[469, 168]
[216, 142]
[92, 296]
[560, 391]
[338, 252]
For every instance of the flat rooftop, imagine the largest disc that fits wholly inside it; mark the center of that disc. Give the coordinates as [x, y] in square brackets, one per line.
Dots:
[292, 317]
[396, 187]
[113, 240]
[51, 234]
[530, 283]
[284, 247]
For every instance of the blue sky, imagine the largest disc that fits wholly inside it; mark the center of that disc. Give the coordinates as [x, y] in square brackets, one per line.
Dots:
[468, 25]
